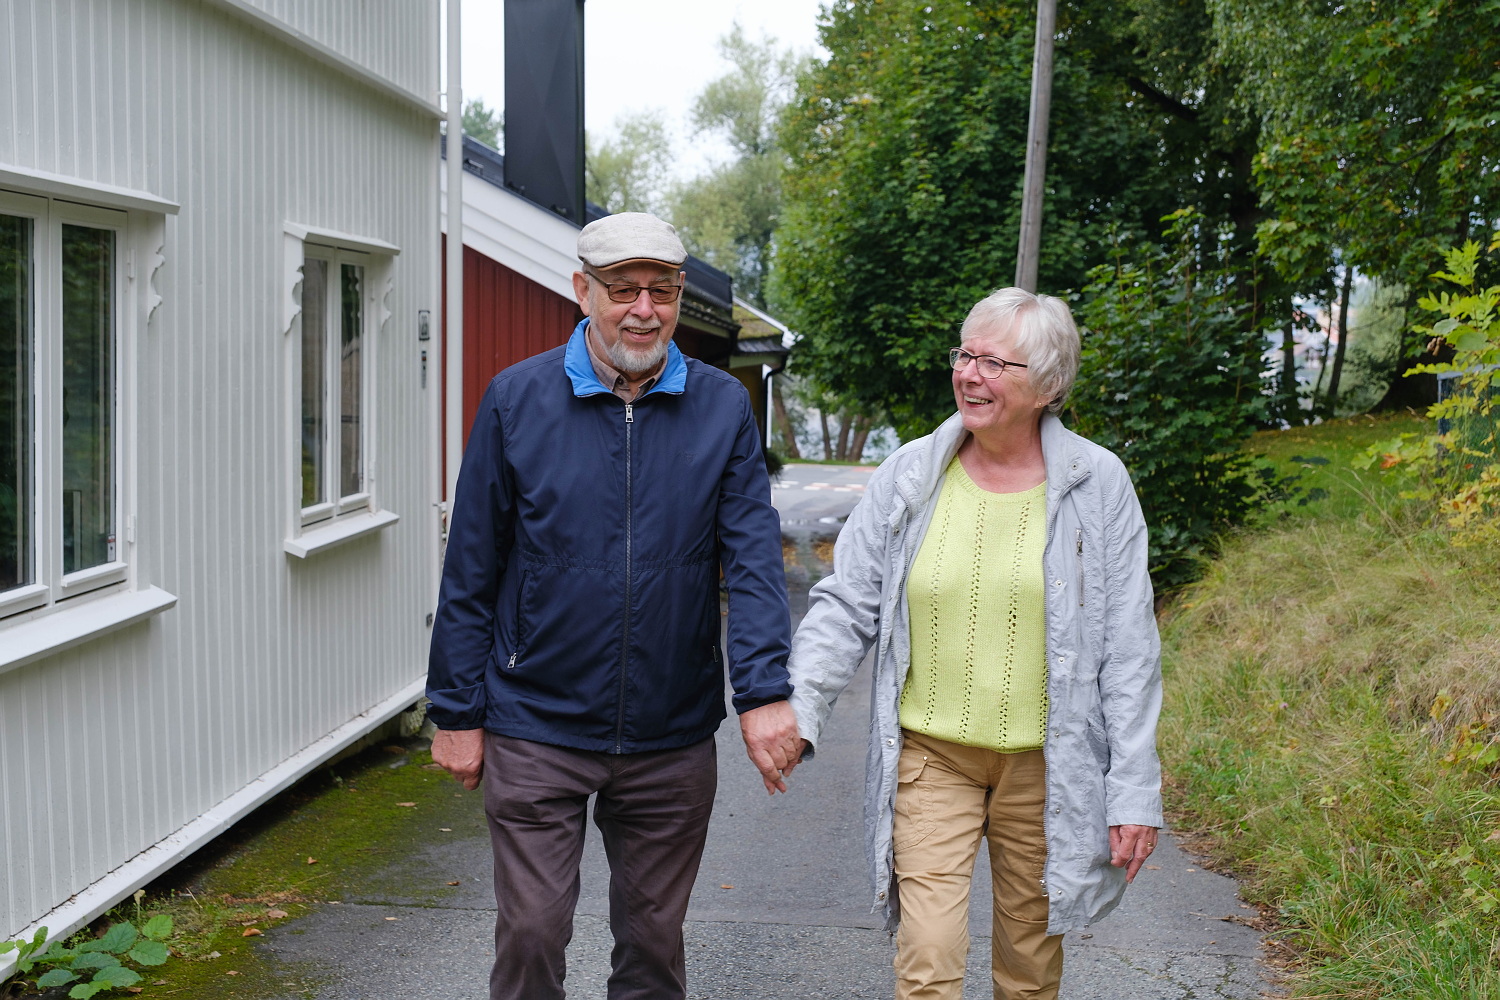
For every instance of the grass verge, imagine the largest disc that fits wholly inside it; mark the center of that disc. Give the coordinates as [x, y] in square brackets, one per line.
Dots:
[1333, 699]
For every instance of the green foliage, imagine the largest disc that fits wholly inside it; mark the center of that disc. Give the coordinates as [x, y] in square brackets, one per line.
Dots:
[1458, 471]
[94, 965]
[727, 216]
[485, 124]
[1378, 126]
[903, 191]
[1170, 381]
[629, 172]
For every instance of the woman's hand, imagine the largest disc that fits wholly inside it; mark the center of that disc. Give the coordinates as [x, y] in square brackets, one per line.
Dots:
[1130, 846]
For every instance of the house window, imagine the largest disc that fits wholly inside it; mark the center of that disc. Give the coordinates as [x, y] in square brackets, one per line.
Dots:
[60, 307]
[333, 384]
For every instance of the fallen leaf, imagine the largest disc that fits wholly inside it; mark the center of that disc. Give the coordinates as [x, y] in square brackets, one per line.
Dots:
[1492, 837]
[390, 918]
[312, 861]
[275, 914]
[394, 749]
[135, 989]
[231, 972]
[726, 887]
[253, 932]
[453, 883]
[406, 805]
[445, 829]
[214, 954]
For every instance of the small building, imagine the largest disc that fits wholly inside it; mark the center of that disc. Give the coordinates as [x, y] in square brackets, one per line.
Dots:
[218, 421]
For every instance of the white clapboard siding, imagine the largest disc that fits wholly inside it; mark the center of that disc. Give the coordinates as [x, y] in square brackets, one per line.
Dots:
[110, 747]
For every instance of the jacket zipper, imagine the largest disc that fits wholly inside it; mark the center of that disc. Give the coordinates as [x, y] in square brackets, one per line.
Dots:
[629, 576]
[1079, 533]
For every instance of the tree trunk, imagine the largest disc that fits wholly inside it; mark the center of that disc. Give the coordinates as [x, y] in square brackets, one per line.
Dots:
[827, 446]
[842, 454]
[788, 432]
[1338, 358]
[861, 434]
[1288, 391]
[1317, 389]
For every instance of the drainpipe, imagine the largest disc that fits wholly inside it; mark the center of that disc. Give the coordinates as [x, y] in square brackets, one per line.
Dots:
[453, 430]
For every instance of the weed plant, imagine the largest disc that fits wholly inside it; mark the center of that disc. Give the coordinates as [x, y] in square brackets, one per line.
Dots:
[1333, 699]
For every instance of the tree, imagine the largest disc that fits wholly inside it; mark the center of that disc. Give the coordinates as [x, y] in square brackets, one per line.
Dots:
[727, 217]
[629, 172]
[902, 199]
[485, 124]
[1379, 129]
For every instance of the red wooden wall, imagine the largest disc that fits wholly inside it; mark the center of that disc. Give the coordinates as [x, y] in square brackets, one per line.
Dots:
[507, 318]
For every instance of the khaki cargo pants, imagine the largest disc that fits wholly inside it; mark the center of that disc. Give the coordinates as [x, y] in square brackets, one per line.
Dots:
[948, 797]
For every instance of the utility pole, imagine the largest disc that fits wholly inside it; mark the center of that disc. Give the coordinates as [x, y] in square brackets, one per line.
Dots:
[1036, 146]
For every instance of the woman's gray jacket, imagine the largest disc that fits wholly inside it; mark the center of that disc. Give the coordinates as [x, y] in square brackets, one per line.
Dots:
[1103, 656]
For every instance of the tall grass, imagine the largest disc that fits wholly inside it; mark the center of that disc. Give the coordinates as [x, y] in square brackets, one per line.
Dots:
[1333, 699]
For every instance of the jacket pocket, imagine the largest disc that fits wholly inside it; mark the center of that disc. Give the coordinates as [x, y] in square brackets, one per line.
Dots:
[522, 595]
[914, 820]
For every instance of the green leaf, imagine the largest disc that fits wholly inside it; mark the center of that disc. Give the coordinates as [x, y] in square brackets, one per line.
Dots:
[95, 960]
[119, 938]
[1444, 326]
[1471, 340]
[117, 976]
[84, 990]
[148, 953]
[158, 928]
[57, 977]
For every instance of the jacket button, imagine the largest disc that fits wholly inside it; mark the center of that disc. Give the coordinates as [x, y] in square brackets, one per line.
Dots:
[890, 743]
[1057, 583]
[881, 896]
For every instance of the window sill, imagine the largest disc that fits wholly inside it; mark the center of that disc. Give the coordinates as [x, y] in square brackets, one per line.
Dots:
[72, 626]
[337, 532]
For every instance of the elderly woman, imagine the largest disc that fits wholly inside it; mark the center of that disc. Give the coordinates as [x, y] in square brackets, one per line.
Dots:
[999, 568]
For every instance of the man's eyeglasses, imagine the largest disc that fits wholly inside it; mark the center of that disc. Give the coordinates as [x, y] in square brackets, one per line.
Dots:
[623, 291]
[989, 365]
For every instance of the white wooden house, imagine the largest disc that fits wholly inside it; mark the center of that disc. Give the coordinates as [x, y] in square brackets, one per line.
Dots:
[218, 468]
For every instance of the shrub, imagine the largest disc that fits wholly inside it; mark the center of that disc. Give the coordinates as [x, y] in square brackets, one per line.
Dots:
[1170, 381]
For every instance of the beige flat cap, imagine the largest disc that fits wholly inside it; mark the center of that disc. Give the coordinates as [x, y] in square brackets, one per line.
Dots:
[628, 237]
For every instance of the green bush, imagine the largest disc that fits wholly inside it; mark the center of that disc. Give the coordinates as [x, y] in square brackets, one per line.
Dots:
[1170, 382]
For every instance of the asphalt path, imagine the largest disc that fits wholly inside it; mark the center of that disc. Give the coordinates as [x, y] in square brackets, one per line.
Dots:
[782, 906]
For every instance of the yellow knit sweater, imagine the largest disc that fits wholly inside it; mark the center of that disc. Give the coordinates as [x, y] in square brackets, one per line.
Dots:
[978, 628]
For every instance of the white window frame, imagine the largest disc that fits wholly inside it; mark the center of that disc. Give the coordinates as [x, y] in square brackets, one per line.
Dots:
[335, 518]
[52, 587]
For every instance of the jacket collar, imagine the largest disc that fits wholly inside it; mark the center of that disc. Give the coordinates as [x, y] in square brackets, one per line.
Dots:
[1060, 452]
[586, 383]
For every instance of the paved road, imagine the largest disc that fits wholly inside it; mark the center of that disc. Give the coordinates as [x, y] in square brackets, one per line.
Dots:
[781, 910]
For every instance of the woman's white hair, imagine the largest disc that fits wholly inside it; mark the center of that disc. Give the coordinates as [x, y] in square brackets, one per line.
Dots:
[1042, 327]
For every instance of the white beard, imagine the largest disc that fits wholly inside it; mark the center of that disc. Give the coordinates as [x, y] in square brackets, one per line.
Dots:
[631, 361]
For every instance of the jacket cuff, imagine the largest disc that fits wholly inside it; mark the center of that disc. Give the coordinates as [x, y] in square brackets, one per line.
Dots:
[458, 708]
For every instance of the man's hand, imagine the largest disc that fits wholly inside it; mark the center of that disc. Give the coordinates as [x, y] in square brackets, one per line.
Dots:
[1130, 846]
[461, 753]
[772, 743]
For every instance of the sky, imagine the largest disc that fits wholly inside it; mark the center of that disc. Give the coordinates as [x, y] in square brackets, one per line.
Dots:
[640, 55]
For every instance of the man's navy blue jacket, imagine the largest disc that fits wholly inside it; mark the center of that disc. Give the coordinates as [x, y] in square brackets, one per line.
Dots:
[580, 596]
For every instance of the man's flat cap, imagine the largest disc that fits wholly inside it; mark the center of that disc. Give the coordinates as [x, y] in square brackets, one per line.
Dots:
[628, 237]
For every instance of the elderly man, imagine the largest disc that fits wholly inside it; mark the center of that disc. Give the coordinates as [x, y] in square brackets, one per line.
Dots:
[576, 648]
